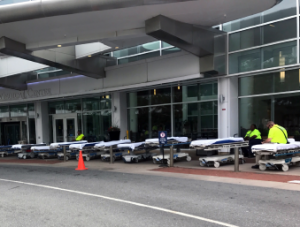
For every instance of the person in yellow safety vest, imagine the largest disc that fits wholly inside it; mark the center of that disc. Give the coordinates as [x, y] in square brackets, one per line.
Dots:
[80, 136]
[254, 138]
[277, 134]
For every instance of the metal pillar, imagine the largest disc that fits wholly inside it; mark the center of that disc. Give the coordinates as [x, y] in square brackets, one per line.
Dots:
[171, 156]
[236, 160]
[65, 153]
[111, 155]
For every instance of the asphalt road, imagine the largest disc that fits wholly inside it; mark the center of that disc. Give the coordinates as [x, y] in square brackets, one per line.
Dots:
[89, 200]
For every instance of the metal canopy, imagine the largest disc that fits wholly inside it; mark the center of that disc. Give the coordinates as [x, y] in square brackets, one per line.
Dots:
[92, 67]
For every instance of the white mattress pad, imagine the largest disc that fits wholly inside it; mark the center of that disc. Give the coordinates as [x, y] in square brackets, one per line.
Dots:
[40, 148]
[57, 145]
[273, 147]
[178, 139]
[131, 146]
[203, 143]
[83, 145]
[111, 143]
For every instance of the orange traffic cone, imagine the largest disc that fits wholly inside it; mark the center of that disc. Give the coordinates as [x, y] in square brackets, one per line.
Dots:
[81, 165]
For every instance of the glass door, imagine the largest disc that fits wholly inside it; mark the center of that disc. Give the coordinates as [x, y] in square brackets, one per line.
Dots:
[64, 127]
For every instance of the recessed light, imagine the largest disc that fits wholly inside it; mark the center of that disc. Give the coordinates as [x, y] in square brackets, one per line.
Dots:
[58, 45]
[272, 25]
[89, 56]
[117, 47]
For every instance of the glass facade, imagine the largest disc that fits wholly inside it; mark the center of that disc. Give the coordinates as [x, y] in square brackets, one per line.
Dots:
[93, 116]
[144, 51]
[264, 41]
[182, 110]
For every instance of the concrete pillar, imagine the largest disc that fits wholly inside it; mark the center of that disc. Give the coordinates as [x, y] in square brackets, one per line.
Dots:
[42, 122]
[228, 110]
[119, 112]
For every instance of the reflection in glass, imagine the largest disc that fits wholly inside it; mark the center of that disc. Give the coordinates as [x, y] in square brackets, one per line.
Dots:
[56, 107]
[32, 136]
[73, 106]
[245, 61]
[71, 136]
[160, 120]
[269, 83]
[160, 96]
[18, 111]
[138, 122]
[59, 125]
[31, 111]
[4, 111]
[90, 104]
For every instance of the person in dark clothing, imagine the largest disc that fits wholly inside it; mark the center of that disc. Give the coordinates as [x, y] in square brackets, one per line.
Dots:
[254, 138]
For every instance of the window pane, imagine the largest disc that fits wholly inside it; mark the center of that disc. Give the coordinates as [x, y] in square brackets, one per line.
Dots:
[207, 92]
[31, 111]
[242, 23]
[187, 120]
[160, 96]
[138, 120]
[4, 111]
[245, 39]
[186, 93]
[91, 126]
[73, 106]
[245, 61]
[207, 108]
[140, 98]
[160, 120]
[170, 51]
[91, 104]
[280, 54]
[56, 107]
[149, 47]
[18, 111]
[105, 102]
[32, 137]
[279, 31]
[163, 45]
[269, 83]
[254, 111]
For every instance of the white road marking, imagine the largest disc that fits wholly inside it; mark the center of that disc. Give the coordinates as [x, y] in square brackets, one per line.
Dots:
[124, 201]
[295, 182]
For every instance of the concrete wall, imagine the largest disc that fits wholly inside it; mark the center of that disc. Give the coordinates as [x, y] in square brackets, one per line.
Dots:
[42, 122]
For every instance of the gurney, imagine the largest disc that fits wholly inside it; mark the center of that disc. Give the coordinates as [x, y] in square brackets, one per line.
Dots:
[88, 151]
[278, 156]
[58, 148]
[24, 150]
[44, 152]
[216, 144]
[132, 148]
[5, 150]
[105, 149]
[172, 141]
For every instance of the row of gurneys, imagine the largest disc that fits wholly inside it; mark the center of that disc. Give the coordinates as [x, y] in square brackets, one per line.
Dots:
[273, 156]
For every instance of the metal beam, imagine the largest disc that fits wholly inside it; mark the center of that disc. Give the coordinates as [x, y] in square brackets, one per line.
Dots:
[91, 67]
[17, 82]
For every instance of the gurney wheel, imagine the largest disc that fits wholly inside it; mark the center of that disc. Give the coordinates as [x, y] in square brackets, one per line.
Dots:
[87, 158]
[285, 168]
[262, 167]
[188, 158]
[67, 158]
[136, 160]
[217, 164]
[2, 156]
[77, 158]
[24, 157]
[202, 164]
[297, 164]
[154, 161]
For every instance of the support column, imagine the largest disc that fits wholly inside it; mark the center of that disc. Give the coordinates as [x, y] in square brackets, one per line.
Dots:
[119, 112]
[229, 108]
[41, 122]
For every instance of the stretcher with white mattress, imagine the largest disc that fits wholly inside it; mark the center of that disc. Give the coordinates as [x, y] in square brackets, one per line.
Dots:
[5, 150]
[278, 156]
[172, 141]
[101, 148]
[132, 154]
[25, 150]
[44, 152]
[88, 151]
[216, 144]
[117, 153]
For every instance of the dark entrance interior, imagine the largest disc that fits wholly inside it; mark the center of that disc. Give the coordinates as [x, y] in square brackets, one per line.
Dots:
[10, 133]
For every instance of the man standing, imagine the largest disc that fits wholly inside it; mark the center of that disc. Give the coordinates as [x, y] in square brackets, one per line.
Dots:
[80, 136]
[277, 134]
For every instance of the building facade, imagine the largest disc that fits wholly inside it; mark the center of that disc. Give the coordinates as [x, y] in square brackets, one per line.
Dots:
[158, 86]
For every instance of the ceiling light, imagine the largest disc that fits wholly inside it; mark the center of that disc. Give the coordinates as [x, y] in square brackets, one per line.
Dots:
[58, 45]
[154, 91]
[117, 48]
[272, 25]
[89, 56]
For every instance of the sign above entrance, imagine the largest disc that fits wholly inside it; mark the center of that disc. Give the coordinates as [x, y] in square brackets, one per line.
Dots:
[30, 93]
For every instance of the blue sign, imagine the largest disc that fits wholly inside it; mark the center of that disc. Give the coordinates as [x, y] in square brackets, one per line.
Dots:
[162, 137]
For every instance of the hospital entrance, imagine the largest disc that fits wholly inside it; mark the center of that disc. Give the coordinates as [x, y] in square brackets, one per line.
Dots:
[13, 131]
[65, 127]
